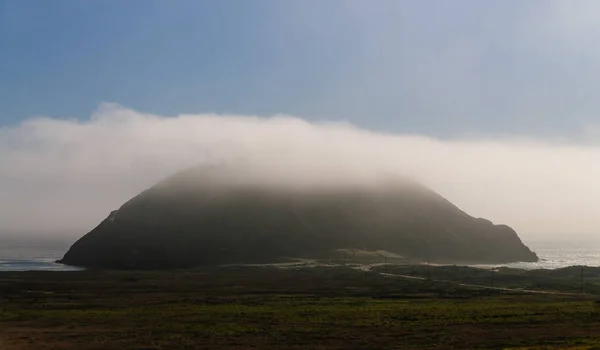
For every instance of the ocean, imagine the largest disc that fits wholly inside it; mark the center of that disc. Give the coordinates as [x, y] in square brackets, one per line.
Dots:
[18, 254]
[555, 253]
[37, 254]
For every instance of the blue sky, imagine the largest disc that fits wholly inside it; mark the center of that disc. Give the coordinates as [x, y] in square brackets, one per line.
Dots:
[439, 68]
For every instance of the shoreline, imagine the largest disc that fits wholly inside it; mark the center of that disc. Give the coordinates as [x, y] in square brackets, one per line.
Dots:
[56, 266]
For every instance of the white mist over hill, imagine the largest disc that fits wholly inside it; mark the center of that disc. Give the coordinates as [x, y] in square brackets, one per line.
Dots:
[64, 176]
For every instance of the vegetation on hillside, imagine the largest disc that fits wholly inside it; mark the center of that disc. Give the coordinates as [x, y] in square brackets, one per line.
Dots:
[193, 219]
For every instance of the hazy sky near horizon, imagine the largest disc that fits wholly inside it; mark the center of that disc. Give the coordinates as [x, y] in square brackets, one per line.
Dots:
[491, 103]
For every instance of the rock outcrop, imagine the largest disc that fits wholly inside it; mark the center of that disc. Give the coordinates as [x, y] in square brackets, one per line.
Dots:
[207, 216]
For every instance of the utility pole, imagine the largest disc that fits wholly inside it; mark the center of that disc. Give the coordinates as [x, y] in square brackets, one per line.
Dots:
[493, 277]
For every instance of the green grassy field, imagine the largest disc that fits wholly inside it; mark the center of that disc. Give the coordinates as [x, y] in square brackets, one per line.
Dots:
[258, 308]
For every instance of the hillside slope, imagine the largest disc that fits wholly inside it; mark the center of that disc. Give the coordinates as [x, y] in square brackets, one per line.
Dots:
[208, 216]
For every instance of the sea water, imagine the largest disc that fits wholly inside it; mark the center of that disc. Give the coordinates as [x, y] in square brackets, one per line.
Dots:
[25, 254]
[40, 254]
[558, 252]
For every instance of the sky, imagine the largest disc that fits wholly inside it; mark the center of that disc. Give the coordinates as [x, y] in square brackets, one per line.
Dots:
[491, 103]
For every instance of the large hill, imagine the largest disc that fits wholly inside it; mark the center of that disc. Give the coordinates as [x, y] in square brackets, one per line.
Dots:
[219, 215]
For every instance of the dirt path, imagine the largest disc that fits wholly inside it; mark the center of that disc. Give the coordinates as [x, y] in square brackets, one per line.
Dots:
[519, 290]
[368, 268]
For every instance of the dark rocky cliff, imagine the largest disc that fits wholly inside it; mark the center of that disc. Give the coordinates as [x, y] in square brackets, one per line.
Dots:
[198, 217]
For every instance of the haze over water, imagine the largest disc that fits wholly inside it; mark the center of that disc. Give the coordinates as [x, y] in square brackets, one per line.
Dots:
[557, 252]
[24, 254]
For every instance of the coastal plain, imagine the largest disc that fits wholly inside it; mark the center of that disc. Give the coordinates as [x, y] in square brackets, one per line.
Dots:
[336, 307]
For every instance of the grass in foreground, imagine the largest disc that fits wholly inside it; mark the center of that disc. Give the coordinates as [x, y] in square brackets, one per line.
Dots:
[245, 308]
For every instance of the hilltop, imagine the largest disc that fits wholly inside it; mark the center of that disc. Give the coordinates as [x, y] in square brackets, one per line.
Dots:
[222, 215]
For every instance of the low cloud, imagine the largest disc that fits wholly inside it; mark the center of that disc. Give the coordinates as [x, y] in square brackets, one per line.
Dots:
[64, 176]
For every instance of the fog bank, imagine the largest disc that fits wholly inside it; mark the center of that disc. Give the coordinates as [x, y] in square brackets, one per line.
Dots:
[65, 176]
